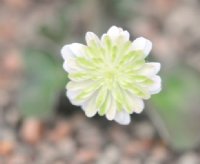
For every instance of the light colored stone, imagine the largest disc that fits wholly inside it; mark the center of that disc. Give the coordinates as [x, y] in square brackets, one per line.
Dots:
[189, 158]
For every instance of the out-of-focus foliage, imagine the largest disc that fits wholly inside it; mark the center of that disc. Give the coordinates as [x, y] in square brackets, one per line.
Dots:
[121, 10]
[59, 30]
[44, 76]
[178, 107]
[44, 81]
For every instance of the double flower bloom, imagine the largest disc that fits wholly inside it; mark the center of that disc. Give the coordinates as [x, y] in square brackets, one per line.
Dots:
[110, 76]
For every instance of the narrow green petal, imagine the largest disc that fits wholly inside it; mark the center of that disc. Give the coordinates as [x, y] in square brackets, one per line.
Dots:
[79, 76]
[122, 50]
[137, 64]
[114, 52]
[139, 91]
[84, 62]
[88, 91]
[131, 57]
[72, 85]
[118, 96]
[142, 79]
[135, 104]
[107, 42]
[101, 97]
[131, 67]
[136, 89]
[104, 107]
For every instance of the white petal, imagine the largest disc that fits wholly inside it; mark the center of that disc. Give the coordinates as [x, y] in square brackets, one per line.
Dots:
[89, 107]
[75, 49]
[69, 53]
[136, 103]
[142, 44]
[71, 66]
[156, 87]
[103, 39]
[74, 89]
[116, 33]
[122, 118]
[91, 37]
[124, 36]
[149, 69]
[66, 52]
[80, 95]
[78, 85]
[110, 114]
[71, 95]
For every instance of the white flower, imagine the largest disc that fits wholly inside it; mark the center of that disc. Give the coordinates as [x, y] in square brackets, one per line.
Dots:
[109, 76]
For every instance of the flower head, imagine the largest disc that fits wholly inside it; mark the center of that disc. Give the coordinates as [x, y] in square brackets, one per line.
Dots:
[109, 76]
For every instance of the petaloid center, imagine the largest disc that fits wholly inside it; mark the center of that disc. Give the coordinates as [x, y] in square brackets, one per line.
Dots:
[110, 76]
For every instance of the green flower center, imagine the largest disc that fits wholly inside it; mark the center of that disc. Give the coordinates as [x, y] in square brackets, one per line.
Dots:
[110, 77]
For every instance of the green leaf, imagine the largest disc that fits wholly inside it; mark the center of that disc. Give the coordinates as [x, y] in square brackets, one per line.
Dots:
[44, 79]
[177, 107]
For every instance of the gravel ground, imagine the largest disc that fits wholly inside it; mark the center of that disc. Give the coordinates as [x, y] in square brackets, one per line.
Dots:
[78, 140]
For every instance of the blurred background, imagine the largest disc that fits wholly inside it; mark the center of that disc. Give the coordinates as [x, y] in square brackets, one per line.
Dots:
[38, 125]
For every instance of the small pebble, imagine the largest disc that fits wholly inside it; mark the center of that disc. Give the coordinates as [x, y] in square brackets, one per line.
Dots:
[6, 147]
[32, 130]
[189, 158]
